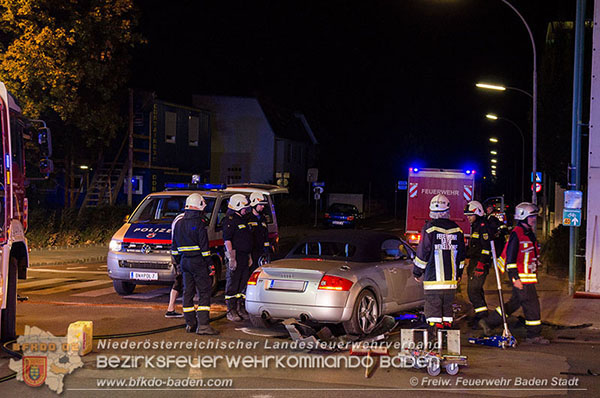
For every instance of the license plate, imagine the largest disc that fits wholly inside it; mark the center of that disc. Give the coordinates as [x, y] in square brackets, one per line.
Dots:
[279, 284]
[144, 276]
[337, 222]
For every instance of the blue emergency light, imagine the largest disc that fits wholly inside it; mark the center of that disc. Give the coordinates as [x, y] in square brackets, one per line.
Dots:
[469, 172]
[414, 169]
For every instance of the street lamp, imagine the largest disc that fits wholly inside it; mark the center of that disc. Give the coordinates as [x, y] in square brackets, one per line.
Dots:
[533, 97]
[498, 87]
[493, 117]
[493, 153]
[494, 140]
[494, 160]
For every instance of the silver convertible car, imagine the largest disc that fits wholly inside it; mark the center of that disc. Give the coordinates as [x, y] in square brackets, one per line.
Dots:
[348, 277]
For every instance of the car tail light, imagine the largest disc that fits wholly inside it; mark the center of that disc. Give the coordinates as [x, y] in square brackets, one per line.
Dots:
[253, 278]
[326, 215]
[350, 218]
[329, 282]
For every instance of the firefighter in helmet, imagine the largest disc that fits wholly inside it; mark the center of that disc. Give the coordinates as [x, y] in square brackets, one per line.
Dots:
[440, 261]
[238, 246]
[261, 247]
[520, 259]
[190, 247]
[479, 255]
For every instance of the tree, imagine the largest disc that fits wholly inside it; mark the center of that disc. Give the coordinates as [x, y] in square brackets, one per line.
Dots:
[70, 57]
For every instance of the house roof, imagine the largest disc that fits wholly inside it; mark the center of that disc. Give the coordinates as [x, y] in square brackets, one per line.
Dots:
[285, 123]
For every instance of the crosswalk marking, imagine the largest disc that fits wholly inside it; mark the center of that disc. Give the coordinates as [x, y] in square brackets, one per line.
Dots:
[70, 286]
[149, 295]
[40, 282]
[63, 271]
[96, 293]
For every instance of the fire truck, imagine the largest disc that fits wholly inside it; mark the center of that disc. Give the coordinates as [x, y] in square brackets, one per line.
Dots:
[423, 184]
[14, 258]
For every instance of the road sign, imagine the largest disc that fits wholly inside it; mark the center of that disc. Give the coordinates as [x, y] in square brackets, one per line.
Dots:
[312, 175]
[572, 217]
[317, 196]
[402, 185]
[573, 199]
[318, 184]
[538, 187]
[538, 176]
[318, 190]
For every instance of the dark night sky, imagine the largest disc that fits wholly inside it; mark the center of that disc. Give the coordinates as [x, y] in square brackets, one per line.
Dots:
[388, 82]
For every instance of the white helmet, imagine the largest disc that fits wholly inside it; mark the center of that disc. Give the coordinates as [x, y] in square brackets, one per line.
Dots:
[474, 208]
[257, 198]
[439, 203]
[237, 202]
[526, 209]
[195, 202]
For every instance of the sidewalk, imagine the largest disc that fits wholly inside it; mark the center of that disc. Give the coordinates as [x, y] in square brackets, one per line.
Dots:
[557, 306]
[66, 255]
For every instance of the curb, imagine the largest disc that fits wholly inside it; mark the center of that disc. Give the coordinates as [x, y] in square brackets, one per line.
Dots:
[74, 261]
[55, 248]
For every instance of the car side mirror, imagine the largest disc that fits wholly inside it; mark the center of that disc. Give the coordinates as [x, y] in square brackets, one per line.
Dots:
[126, 218]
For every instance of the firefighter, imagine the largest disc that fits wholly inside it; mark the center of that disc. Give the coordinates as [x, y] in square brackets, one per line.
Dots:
[498, 227]
[520, 259]
[260, 232]
[479, 255]
[441, 259]
[238, 246]
[190, 241]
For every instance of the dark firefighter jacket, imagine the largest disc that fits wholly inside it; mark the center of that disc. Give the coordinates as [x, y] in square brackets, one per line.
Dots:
[190, 238]
[440, 255]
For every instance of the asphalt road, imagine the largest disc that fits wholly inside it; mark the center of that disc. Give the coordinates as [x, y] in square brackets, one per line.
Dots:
[59, 295]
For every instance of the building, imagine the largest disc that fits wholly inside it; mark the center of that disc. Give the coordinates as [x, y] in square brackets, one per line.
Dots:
[258, 142]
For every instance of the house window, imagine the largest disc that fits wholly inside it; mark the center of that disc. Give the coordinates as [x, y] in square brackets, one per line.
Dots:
[170, 127]
[193, 130]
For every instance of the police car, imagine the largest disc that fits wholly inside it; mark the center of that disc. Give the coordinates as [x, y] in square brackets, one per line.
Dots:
[140, 251]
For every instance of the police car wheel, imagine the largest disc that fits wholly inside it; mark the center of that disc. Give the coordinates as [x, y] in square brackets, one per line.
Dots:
[123, 288]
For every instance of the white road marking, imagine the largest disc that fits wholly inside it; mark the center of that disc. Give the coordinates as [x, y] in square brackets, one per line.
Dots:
[60, 271]
[70, 286]
[40, 282]
[149, 295]
[96, 293]
[82, 267]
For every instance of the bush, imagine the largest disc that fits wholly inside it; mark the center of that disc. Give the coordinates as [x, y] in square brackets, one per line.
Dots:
[293, 211]
[66, 227]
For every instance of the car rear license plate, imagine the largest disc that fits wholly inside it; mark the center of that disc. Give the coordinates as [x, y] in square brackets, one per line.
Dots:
[278, 284]
[337, 222]
[144, 276]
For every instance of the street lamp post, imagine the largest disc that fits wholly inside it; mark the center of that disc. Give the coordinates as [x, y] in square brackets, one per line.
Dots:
[489, 116]
[534, 98]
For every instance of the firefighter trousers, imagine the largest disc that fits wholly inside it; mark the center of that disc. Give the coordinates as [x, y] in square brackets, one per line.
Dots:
[438, 305]
[196, 279]
[235, 287]
[476, 293]
[527, 299]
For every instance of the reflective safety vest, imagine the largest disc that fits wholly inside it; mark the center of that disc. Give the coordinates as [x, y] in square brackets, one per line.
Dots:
[527, 256]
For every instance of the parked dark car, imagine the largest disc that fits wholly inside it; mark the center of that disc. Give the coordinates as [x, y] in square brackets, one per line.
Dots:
[342, 215]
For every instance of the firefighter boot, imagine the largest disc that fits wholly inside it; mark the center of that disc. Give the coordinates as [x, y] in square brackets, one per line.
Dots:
[241, 309]
[190, 321]
[204, 327]
[232, 314]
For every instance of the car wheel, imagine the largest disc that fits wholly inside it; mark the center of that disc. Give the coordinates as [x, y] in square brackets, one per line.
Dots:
[260, 323]
[123, 288]
[364, 316]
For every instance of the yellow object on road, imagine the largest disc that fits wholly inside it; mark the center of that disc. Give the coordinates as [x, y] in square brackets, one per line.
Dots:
[81, 333]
